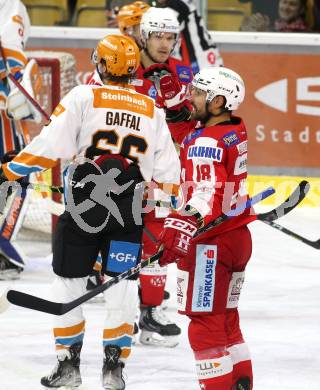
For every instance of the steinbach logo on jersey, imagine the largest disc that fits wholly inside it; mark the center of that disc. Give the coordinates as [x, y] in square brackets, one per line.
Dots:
[211, 153]
[123, 97]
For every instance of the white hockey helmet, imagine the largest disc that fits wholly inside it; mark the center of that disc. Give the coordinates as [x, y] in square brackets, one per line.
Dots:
[221, 81]
[159, 20]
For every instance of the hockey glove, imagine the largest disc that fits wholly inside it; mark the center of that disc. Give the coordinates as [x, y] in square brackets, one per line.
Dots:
[168, 85]
[18, 105]
[176, 236]
[7, 157]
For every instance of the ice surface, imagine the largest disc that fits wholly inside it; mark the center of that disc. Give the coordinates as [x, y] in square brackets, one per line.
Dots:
[279, 307]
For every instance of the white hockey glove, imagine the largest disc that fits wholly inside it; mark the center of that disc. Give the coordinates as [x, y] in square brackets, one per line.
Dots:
[18, 105]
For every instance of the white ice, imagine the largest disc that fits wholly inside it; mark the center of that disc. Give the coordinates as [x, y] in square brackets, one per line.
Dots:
[279, 307]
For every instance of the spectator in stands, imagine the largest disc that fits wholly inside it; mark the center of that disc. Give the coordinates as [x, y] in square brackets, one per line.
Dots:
[291, 18]
[112, 8]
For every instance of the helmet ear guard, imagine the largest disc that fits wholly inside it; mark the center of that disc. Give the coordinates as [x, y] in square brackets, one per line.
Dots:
[221, 81]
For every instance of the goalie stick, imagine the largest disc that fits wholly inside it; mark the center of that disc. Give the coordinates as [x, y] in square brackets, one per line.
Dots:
[22, 89]
[35, 303]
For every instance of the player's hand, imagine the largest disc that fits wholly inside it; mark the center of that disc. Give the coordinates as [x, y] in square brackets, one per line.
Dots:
[176, 236]
[9, 156]
[168, 85]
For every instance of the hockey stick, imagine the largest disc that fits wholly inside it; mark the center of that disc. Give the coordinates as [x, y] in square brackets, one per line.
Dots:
[289, 204]
[313, 244]
[22, 89]
[35, 303]
[268, 218]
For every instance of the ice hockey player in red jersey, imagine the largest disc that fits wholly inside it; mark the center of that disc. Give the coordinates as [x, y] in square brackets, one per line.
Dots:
[211, 268]
[197, 47]
[156, 31]
[159, 30]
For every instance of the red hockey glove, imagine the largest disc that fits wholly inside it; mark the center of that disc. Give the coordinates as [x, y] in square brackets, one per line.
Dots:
[176, 236]
[167, 84]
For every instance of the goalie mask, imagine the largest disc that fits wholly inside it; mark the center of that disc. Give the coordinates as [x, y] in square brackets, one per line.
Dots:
[159, 20]
[221, 81]
[117, 55]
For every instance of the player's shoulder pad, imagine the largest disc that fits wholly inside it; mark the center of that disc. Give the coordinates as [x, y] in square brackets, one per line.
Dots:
[197, 133]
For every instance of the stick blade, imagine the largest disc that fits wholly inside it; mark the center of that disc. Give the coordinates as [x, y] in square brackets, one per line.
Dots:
[34, 303]
[289, 204]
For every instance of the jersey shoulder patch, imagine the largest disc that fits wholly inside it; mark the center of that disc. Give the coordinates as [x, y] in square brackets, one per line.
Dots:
[192, 136]
[230, 139]
[184, 73]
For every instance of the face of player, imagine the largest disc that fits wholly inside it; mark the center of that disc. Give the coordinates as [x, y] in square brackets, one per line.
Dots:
[160, 46]
[198, 103]
[290, 9]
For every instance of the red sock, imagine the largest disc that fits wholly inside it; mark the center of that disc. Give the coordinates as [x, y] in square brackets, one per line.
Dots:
[242, 367]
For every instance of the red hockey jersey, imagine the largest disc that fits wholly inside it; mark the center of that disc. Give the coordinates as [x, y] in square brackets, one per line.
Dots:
[214, 172]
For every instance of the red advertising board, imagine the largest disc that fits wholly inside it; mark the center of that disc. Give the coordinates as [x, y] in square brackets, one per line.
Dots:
[282, 107]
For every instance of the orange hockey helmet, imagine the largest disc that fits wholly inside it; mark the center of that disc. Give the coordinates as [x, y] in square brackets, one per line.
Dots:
[131, 14]
[117, 55]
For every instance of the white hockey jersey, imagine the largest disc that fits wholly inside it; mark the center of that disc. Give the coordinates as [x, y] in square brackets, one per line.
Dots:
[93, 119]
[14, 32]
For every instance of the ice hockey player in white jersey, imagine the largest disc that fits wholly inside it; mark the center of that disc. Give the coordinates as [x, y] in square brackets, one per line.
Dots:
[120, 130]
[14, 31]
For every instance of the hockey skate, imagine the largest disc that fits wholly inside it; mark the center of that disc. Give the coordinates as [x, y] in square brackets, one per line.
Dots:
[8, 270]
[166, 297]
[112, 378]
[67, 370]
[242, 384]
[156, 328]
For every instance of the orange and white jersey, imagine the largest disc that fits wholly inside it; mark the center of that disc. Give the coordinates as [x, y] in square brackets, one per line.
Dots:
[92, 120]
[14, 32]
